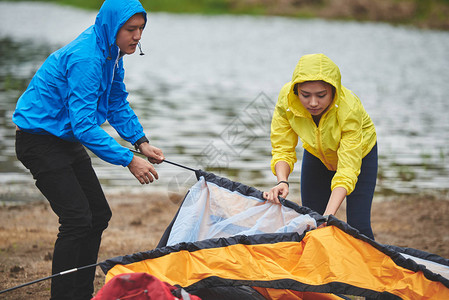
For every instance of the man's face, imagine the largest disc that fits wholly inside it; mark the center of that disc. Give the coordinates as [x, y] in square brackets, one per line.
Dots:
[129, 35]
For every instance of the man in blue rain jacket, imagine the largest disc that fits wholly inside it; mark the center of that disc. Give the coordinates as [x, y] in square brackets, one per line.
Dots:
[77, 89]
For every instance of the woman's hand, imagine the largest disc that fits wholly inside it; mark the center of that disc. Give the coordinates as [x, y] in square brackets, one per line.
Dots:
[324, 224]
[281, 189]
[335, 200]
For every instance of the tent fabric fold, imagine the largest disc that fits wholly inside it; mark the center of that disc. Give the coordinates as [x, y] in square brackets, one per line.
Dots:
[225, 242]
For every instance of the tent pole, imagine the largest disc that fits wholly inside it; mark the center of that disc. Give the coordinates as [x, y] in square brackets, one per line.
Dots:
[167, 161]
[49, 277]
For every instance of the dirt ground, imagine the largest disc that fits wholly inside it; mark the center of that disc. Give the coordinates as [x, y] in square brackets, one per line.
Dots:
[27, 233]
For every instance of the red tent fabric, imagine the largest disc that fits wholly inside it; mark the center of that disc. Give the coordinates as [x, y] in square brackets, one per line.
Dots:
[141, 286]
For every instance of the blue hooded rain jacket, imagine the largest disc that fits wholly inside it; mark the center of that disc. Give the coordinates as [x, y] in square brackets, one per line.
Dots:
[80, 86]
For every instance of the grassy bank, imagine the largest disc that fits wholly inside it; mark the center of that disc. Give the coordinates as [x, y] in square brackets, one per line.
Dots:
[432, 14]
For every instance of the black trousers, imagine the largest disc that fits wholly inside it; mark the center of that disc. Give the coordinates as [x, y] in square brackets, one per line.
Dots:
[64, 174]
[315, 189]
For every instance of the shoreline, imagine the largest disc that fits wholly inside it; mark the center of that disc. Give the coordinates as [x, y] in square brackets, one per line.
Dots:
[28, 232]
[430, 14]
[23, 199]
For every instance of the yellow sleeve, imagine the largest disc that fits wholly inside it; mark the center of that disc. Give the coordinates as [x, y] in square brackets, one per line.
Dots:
[283, 138]
[350, 149]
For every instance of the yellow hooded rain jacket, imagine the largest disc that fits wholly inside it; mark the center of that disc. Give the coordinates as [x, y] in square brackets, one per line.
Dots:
[345, 133]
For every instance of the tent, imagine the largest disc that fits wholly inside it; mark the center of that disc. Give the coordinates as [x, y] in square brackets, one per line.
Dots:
[226, 242]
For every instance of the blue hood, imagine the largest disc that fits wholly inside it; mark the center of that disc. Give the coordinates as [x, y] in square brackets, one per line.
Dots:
[111, 17]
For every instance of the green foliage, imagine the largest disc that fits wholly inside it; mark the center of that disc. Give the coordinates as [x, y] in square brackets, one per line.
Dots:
[423, 7]
[192, 6]
[87, 4]
[176, 6]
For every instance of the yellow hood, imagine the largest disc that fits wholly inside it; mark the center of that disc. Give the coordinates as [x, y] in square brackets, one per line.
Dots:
[313, 67]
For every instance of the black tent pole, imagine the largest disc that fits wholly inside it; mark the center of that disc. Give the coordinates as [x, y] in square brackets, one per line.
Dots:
[167, 161]
[49, 277]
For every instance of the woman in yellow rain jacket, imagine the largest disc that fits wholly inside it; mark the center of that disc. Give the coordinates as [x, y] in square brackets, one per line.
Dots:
[339, 141]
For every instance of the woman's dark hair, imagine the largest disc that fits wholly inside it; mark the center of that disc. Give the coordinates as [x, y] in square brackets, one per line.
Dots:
[295, 87]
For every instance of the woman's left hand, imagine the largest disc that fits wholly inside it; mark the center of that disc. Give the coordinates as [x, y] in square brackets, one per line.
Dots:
[278, 190]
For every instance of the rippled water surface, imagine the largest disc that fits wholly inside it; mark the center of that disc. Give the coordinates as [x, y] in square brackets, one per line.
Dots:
[206, 88]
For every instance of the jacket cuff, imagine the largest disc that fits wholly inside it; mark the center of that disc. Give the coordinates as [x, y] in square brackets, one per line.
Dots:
[128, 159]
[140, 141]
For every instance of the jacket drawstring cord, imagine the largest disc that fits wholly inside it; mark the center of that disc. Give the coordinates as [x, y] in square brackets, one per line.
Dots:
[109, 56]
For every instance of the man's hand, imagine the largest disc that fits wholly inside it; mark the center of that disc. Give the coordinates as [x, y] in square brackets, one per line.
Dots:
[142, 170]
[154, 154]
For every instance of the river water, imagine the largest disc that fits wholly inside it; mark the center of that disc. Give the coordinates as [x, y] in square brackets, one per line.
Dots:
[206, 87]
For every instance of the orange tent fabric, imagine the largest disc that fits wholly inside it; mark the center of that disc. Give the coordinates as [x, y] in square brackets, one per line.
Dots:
[328, 262]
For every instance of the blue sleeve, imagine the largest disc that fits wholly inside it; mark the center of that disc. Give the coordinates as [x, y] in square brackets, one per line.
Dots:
[84, 79]
[120, 114]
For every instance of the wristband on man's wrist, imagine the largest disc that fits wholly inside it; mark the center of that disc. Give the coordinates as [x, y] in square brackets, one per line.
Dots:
[140, 141]
[283, 181]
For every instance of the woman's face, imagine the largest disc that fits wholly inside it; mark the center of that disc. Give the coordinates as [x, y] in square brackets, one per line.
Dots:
[315, 96]
[129, 35]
